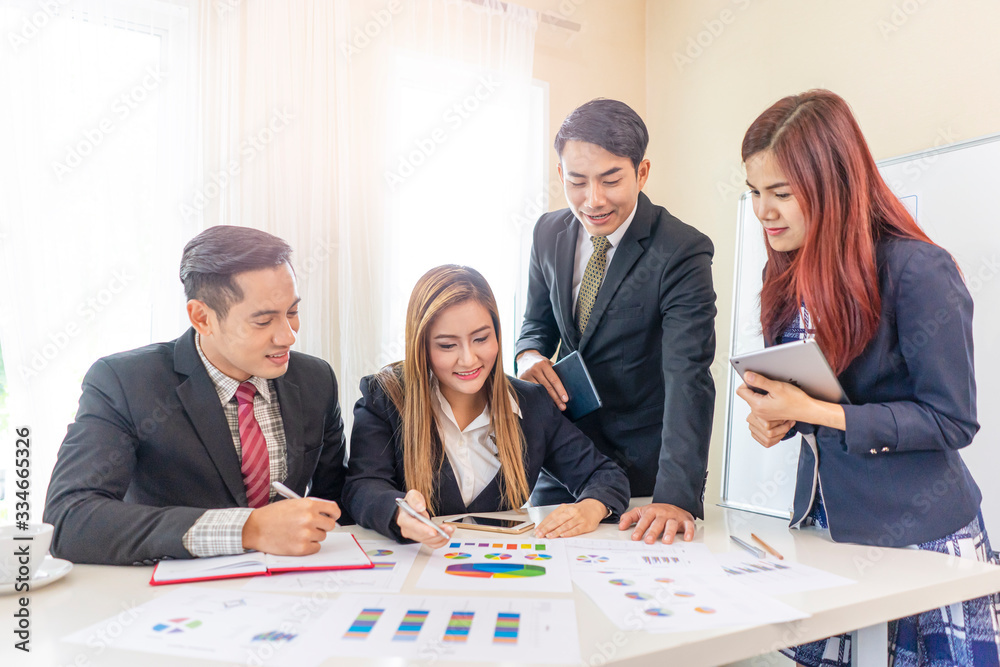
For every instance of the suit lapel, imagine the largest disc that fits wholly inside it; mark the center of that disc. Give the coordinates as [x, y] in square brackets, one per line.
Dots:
[565, 264]
[627, 253]
[450, 496]
[290, 401]
[201, 403]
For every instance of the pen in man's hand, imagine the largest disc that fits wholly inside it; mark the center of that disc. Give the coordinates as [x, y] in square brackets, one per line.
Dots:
[283, 490]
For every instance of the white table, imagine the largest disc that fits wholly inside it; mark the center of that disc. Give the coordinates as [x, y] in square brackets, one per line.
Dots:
[891, 583]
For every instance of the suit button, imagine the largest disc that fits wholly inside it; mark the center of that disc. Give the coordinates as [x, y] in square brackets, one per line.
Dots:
[873, 451]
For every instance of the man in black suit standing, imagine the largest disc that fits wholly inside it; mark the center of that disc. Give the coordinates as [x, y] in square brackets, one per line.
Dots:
[629, 286]
[175, 445]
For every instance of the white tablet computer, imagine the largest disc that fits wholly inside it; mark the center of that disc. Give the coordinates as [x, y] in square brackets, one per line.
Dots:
[800, 363]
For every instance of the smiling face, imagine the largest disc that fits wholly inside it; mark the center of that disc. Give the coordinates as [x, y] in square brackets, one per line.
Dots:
[774, 203]
[462, 349]
[256, 335]
[601, 187]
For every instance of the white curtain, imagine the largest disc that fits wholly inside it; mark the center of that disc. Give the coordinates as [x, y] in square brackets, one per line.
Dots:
[354, 91]
[98, 129]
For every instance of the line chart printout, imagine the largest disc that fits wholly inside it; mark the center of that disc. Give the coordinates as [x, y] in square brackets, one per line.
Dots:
[392, 564]
[430, 628]
[229, 625]
[498, 565]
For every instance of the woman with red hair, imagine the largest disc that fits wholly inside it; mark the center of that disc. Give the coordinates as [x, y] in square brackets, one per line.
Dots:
[848, 266]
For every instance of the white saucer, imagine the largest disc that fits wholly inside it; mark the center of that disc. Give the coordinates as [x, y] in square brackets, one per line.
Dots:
[51, 569]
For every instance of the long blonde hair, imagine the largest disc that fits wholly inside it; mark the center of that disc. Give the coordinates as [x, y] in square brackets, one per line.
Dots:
[407, 383]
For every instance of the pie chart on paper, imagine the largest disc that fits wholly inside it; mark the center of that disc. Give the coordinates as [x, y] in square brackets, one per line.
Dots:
[495, 570]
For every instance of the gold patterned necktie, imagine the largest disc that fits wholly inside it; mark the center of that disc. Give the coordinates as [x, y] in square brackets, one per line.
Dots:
[592, 278]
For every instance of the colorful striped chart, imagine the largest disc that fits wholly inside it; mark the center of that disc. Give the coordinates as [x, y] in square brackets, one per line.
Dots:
[497, 556]
[495, 570]
[459, 626]
[458, 555]
[411, 625]
[507, 626]
[363, 624]
[538, 556]
[496, 545]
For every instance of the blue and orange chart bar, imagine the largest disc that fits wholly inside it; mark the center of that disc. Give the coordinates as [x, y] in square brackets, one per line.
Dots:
[363, 624]
[411, 625]
[459, 626]
[508, 624]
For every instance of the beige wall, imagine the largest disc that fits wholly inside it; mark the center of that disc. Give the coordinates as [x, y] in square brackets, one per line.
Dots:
[915, 80]
[605, 58]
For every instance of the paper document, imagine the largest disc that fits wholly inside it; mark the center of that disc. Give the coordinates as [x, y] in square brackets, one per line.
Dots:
[498, 564]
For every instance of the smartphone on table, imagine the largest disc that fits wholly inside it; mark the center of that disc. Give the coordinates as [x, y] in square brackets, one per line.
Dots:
[491, 523]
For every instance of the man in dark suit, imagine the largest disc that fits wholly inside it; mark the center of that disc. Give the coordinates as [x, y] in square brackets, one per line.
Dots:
[629, 286]
[175, 445]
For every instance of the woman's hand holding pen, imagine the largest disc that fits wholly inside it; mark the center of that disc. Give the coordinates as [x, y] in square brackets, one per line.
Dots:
[414, 529]
[774, 413]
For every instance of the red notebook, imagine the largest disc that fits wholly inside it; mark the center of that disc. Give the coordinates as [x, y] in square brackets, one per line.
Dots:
[339, 551]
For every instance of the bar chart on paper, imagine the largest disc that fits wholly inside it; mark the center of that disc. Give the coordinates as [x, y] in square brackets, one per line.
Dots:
[449, 628]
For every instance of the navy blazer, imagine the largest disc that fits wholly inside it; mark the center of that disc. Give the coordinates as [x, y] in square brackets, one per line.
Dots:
[895, 476]
[375, 476]
[649, 346]
[151, 450]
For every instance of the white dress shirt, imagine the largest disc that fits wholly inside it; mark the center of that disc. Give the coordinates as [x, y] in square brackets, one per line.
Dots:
[472, 450]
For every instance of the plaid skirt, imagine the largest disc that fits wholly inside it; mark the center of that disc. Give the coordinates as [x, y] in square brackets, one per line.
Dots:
[965, 633]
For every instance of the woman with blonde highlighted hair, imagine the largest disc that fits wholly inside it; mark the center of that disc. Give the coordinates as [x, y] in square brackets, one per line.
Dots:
[447, 428]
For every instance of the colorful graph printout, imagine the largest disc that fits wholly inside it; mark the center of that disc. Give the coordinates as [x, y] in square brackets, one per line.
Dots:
[507, 626]
[505, 567]
[458, 626]
[776, 578]
[195, 621]
[379, 553]
[589, 558]
[363, 624]
[436, 628]
[411, 625]
[688, 603]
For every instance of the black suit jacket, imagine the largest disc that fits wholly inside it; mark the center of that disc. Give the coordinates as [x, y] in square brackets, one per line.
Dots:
[151, 450]
[895, 476]
[648, 345]
[375, 475]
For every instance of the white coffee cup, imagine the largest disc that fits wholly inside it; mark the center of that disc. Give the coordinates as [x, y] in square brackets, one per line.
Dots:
[22, 551]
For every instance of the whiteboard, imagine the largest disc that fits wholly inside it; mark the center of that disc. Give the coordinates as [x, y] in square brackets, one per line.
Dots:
[952, 193]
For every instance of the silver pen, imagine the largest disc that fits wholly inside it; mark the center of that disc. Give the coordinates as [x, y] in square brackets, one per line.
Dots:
[759, 553]
[421, 518]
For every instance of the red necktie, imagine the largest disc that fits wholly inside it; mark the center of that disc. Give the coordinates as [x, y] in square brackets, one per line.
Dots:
[256, 465]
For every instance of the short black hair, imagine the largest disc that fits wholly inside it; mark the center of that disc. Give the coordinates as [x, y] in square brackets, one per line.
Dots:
[610, 124]
[213, 258]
